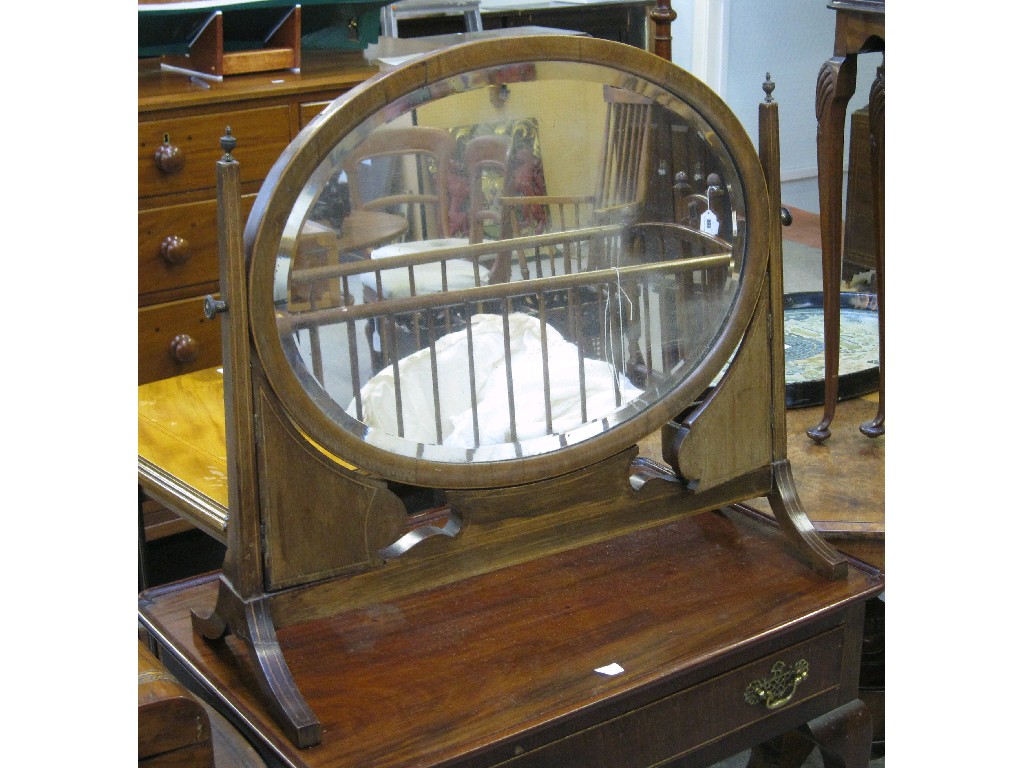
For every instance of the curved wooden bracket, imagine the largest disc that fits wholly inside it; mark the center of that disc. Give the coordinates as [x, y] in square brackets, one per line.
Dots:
[793, 519]
[250, 622]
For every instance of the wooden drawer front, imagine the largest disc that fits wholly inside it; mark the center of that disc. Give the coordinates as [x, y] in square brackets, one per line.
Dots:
[685, 721]
[161, 324]
[261, 133]
[309, 110]
[178, 246]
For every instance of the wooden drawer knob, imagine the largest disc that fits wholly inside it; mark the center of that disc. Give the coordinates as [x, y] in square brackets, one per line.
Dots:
[169, 158]
[175, 250]
[184, 348]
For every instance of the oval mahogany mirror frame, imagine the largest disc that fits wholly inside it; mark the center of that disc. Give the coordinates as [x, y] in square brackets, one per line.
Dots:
[277, 198]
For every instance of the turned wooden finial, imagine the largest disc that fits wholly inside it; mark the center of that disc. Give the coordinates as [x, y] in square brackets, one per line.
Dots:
[228, 143]
[768, 87]
[663, 15]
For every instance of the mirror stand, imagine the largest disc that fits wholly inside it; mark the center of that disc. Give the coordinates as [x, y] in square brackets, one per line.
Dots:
[296, 553]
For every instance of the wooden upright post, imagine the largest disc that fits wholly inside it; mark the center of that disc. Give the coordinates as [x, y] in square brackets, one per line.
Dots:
[243, 565]
[242, 607]
[663, 16]
[769, 152]
[783, 498]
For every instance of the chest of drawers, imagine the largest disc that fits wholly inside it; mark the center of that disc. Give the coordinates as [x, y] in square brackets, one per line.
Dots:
[181, 120]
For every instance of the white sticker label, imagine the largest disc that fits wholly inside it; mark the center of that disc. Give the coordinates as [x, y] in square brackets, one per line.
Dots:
[709, 222]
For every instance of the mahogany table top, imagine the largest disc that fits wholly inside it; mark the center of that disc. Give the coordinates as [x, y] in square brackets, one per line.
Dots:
[500, 664]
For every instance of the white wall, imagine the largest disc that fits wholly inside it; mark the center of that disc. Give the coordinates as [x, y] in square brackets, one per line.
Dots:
[731, 44]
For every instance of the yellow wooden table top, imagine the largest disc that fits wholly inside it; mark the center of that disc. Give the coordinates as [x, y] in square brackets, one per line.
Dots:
[182, 454]
[182, 447]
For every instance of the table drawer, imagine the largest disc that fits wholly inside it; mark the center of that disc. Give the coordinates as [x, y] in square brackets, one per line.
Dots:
[685, 721]
[190, 148]
[310, 109]
[178, 246]
[176, 338]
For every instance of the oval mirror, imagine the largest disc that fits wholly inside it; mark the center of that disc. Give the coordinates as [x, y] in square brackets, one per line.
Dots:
[485, 269]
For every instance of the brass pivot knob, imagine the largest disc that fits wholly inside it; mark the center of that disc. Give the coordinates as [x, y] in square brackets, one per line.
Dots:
[169, 159]
[213, 307]
[175, 250]
[184, 348]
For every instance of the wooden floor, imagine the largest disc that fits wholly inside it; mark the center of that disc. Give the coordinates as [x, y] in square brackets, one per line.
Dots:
[841, 482]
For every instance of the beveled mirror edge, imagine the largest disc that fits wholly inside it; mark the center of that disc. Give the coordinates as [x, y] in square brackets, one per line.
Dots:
[301, 158]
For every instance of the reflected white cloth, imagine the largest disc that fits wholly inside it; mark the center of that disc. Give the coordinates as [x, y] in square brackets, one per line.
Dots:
[395, 282]
[456, 411]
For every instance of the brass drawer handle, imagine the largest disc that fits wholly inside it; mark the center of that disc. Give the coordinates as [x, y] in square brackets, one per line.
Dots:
[778, 688]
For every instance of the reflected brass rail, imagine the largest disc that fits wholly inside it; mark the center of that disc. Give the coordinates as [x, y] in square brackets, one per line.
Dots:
[288, 323]
[348, 269]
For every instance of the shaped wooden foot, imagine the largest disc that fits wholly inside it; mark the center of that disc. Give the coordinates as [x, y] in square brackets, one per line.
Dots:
[250, 622]
[875, 427]
[793, 519]
[843, 735]
[820, 432]
[790, 750]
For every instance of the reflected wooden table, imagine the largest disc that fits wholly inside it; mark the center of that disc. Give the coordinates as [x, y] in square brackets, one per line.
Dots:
[321, 247]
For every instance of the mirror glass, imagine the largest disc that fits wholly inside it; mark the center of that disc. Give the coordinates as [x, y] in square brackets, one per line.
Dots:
[510, 261]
